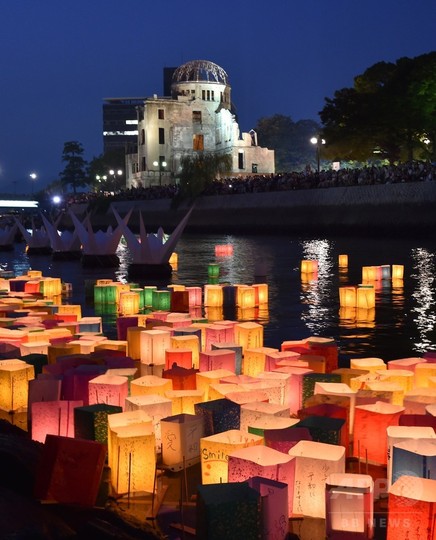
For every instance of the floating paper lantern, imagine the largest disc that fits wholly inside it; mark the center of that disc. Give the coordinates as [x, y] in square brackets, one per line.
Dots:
[133, 338]
[342, 390]
[237, 349]
[411, 509]
[153, 346]
[217, 359]
[310, 380]
[343, 261]
[223, 249]
[228, 511]
[261, 293]
[69, 471]
[254, 360]
[244, 463]
[349, 506]
[273, 507]
[349, 373]
[245, 297]
[181, 436]
[401, 377]
[249, 335]
[423, 372]
[129, 303]
[258, 410]
[314, 463]
[217, 333]
[90, 422]
[180, 357]
[14, 378]
[297, 384]
[206, 378]
[190, 342]
[109, 389]
[348, 296]
[53, 418]
[284, 439]
[371, 273]
[367, 364]
[184, 401]
[150, 384]
[156, 407]
[365, 297]
[416, 401]
[370, 430]
[397, 271]
[219, 415]
[161, 300]
[195, 296]
[182, 378]
[213, 270]
[416, 457]
[324, 429]
[213, 295]
[274, 359]
[215, 451]
[315, 362]
[90, 324]
[308, 266]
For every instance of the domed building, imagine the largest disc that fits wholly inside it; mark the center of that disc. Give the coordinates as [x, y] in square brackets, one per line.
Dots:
[196, 117]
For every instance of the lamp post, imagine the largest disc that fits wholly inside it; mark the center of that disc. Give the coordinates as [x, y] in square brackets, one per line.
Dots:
[161, 165]
[318, 142]
[114, 174]
[33, 177]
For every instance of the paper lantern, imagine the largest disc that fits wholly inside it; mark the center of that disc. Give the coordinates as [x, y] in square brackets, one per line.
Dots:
[228, 511]
[314, 463]
[308, 266]
[398, 434]
[342, 390]
[218, 359]
[206, 378]
[324, 429]
[223, 249]
[411, 509]
[310, 380]
[260, 425]
[218, 415]
[153, 346]
[414, 457]
[181, 378]
[161, 300]
[109, 389]
[190, 342]
[53, 418]
[184, 401]
[90, 324]
[273, 507]
[370, 430]
[237, 349]
[343, 261]
[215, 451]
[245, 296]
[296, 387]
[180, 301]
[397, 271]
[249, 335]
[416, 401]
[216, 333]
[213, 270]
[156, 407]
[368, 364]
[90, 422]
[229, 295]
[179, 357]
[285, 439]
[129, 303]
[402, 377]
[348, 296]
[14, 378]
[213, 295]
[365, 297]
[133, 338]
[258, 410]
[254, 360]
[195, 296]
[261, 293]
[244, 463]
[69, 471]
[423, 372]
[371, 273]
[181, 436]
[105, 294]
[349, 506]
[150, 384]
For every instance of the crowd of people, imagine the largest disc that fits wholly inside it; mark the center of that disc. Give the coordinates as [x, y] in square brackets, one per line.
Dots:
[415, 171]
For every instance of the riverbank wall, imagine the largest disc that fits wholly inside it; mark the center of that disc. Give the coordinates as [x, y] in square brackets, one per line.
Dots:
[388, 209]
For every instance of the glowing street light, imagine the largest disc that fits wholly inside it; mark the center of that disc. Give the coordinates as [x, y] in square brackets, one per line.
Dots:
[318, 142]
[161, 165]
[33, 176]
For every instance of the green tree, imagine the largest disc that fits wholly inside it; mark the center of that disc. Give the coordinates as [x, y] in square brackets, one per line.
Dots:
[289, 140]
[198, 171]
[103, 171]
[74, 173]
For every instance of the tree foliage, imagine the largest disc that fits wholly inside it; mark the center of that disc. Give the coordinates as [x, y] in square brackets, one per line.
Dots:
[100, 168]
[389, 113]
[199, 170]
[289, 140]
[74, 173]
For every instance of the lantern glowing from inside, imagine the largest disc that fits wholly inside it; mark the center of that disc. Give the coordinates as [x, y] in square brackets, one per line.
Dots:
[349, 506]
[258, 410]
[108, 389]
[213, 295]
[90, 422]
[223, 249]
[273, 507]
[343, 261]
[180, 357]
[249, 335]
[181, 436]
[133, 336]
[371, 273]
[343, 390]
[215, 451]
[261, 290]
[213, 270]
[348, 296]
[402, 377]
[244, 463]
[216, 333]
[417, 400]
[296, 385]
[54, 418]
[399, 434]
[195, 295]
[370, 430]
[423, 372]
[218, 359]
[314, 463]
[184, 401]
[415, 457]
[161, 300]
[308, 266]
[245, 296]
[397, 271]
[368, 364]
[153, 345]
[405, 363]
[150, 384]
[254, 360]
[14, 379]
[411, 509]
[156, 407]
[190, 342]
[129, 303]
[365, 297]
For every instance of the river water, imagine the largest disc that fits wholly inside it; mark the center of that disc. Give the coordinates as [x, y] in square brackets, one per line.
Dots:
[401, 325]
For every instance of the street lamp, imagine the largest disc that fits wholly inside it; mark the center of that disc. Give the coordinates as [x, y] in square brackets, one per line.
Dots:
[318, 142]
[161, 165]
[33, 177]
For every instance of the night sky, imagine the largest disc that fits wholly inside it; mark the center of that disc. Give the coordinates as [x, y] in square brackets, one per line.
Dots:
[60, 58]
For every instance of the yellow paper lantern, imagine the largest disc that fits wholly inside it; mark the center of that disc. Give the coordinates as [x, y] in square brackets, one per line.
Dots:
[213, 296]
[397, 271]
[190, 342]
[347, 296]
[261, 290]
[309, 266]
[150, 384]
[254, 360]
[153, 345]
[343, 261]
[365, 297]
[367, 364]
[249, 335]
[184, 401]
[129, 303]
[14, 381]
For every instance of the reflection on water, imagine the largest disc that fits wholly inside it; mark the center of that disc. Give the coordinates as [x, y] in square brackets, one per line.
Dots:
[402, 323]
[423, 310]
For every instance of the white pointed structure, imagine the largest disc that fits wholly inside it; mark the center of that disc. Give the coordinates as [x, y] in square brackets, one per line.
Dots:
[37, 240]
[65, 244]
[99, 248]
[151, 252]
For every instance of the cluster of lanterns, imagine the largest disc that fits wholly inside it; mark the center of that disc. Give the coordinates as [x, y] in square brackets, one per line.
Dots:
[272, 428]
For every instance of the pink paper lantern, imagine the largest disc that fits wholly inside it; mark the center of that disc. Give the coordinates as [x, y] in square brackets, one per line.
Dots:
[217, 359]
[53, 418]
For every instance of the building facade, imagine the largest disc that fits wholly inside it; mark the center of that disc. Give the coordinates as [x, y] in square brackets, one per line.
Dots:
[196, 117]
[120, 122]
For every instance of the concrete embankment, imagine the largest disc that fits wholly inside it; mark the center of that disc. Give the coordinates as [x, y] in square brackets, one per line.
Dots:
[377, 209]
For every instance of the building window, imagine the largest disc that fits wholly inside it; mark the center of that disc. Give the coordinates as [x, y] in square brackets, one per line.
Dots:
[161, 136]
[241, 160]
[212, 93]
[161, 114]
[142, 136]
[143, 163]
[198, 142]
[196, 117]
[254, 167]
[203, 95]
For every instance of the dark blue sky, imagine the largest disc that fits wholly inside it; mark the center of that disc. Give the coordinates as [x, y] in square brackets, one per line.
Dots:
[60, 58]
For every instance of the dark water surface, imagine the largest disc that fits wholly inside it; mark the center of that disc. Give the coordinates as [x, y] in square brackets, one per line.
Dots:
[401, 325]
